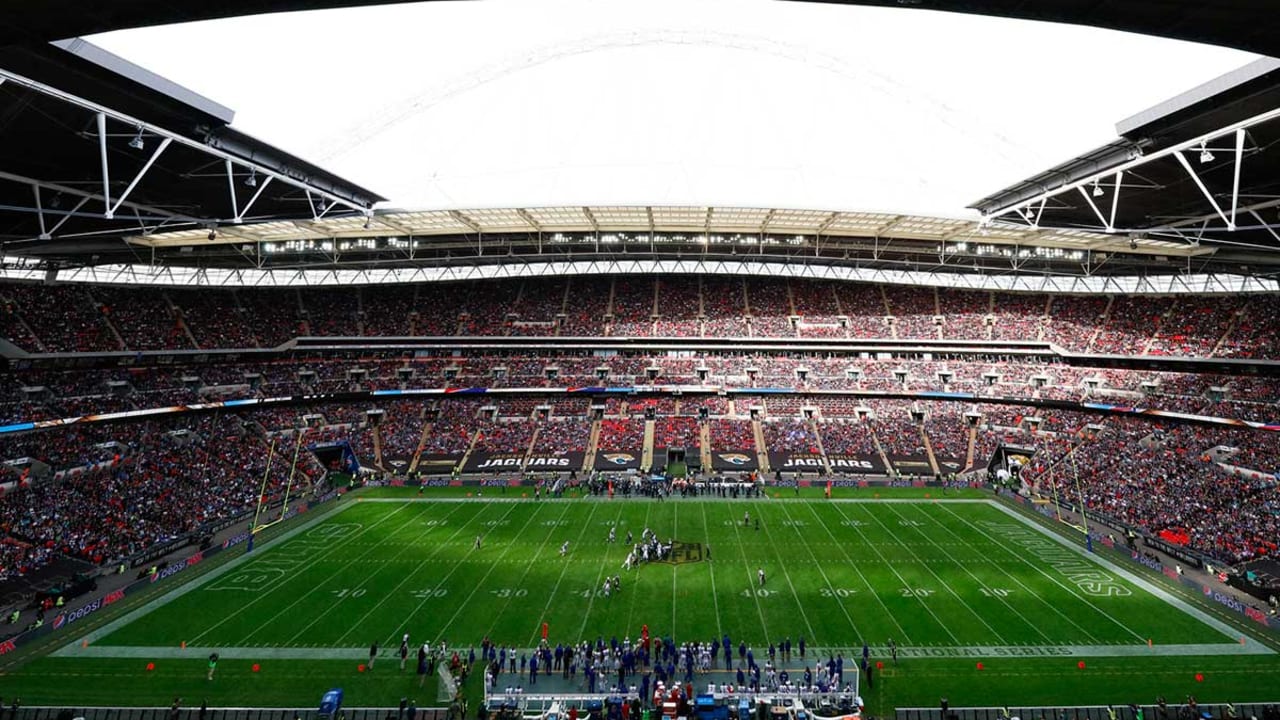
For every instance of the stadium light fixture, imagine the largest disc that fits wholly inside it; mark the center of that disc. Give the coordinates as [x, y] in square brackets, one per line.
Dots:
[1205, 155]
[252, 180]
[136, 141]
[1097, 189]
[213, 234]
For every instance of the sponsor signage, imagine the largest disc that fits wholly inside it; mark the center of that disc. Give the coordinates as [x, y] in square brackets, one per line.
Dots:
[812, 462]
[911, 464]
[949, 464]
[734, 460]
[396, 464]
[542, 461]
[437, 462]
[537, 462]
[618, 460]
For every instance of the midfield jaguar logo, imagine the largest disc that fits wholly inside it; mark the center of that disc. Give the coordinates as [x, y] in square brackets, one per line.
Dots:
[683, 552]
[619, 458]
[735, 458]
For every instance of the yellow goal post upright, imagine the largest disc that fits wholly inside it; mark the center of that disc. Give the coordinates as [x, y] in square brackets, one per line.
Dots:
[262, 493]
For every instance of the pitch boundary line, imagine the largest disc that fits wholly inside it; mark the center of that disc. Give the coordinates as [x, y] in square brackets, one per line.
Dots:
[167, 652]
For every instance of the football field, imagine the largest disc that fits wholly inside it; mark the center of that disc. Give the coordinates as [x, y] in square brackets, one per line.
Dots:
[954, 582]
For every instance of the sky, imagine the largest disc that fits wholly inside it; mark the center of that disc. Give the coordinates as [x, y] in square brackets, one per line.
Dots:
[757, 103]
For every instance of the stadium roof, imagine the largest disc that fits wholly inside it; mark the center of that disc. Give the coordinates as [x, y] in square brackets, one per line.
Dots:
[409, 240]
[1202, 169]
[96, 147]
[1241, 24]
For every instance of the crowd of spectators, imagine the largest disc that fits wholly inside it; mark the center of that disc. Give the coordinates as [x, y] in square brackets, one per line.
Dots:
[679, 307]
[588, 300]
[679, 432]
[568, 434]
[770, 309]
[105, 318]
[846, 437]
[64, 316]
[723, 303]
[401, 428]
[1131, 324]
[790, 435]
[621, 434]
[632, 307]
[143, 317]
[166, 480]
[485, 307]
[732, 435]
[1074, 320]
[504, 436]
[1160, 479]
[215, 320]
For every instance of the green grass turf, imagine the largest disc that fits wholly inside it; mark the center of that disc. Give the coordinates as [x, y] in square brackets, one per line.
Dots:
[930, 575]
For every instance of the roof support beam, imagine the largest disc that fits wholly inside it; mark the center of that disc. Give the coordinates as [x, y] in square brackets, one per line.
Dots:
[1235, 185]
[249, 205]
[524, 215]
[1195, 177]
[1115, 198]
[104, 112]
[106, 167]
[1088, 180]
[137, 178]
[1096, 211]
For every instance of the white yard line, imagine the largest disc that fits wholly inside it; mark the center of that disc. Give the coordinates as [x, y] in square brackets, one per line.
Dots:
[946, 585]
[631, 608]
[795, 596]
[1031, 592]
[751, 580]
[711, 569]
[981, 583]
[1195, 612]
[595, 586]
[439, 547]
[551, 596]
[825, 578]
[870, 588]
[906, 584]
[295, 572]
[462, 606]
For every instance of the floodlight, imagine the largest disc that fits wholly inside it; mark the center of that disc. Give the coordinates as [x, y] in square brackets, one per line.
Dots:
[1097, 189]
[136, 142]
[252, 180]
[1205, 155]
